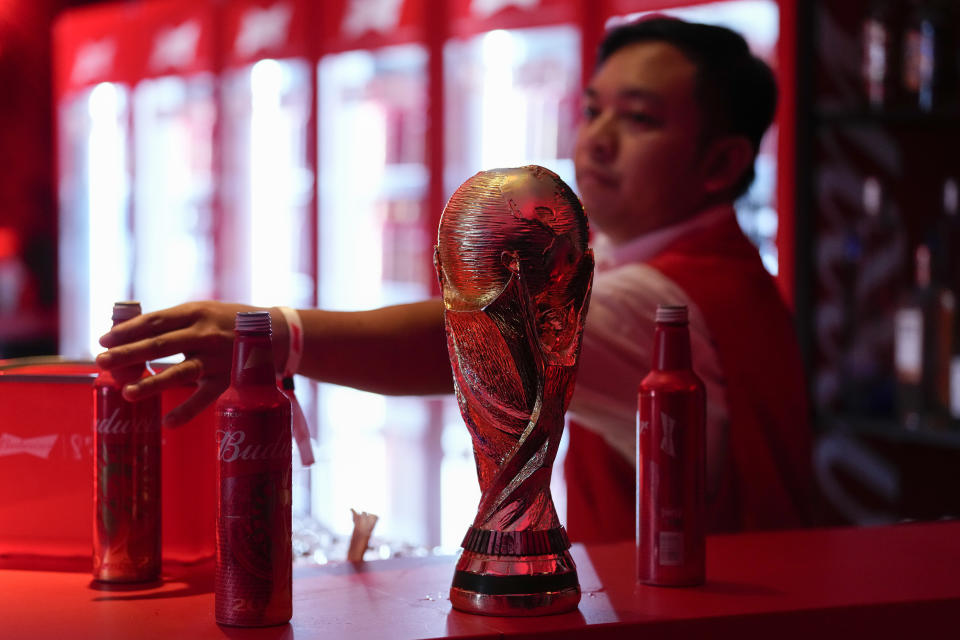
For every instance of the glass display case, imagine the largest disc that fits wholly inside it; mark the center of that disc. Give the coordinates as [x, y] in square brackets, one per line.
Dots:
[94, 185]
[375, 453]
[136, 115]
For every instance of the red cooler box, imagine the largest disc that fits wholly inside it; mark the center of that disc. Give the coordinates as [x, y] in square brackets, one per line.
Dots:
[46, 466]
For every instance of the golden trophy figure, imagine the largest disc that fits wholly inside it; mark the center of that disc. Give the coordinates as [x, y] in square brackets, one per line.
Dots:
[515, 273]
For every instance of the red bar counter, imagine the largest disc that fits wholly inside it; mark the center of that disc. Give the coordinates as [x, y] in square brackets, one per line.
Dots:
[825, 583]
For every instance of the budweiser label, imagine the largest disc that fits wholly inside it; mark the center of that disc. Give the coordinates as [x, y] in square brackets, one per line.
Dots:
[117, 424]
[233, 447]
[908, 345]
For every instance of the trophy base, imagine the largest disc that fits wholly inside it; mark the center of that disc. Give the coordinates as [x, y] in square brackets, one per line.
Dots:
[515, 605]
[534, 585]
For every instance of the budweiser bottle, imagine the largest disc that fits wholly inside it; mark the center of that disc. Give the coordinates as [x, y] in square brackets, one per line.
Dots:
[671, 460]
[946, 237]
[927, 67]
[126, 503]
[948, 244]
[254, 553]
[923, 348]
[878, 55]
[878, 255]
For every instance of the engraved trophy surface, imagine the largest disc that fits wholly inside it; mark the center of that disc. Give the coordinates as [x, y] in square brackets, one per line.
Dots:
[515, 273]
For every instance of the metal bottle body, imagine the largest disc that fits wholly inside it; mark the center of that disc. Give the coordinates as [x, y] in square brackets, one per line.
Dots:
[253, 581]
[671, 465]
[127, 501]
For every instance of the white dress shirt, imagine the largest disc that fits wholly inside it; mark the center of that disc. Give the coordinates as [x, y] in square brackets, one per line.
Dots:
[617, 347]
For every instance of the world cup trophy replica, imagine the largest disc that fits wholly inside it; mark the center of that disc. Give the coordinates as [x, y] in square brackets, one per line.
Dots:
[515, 273]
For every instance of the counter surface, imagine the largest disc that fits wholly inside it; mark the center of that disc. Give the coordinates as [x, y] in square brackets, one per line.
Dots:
[818, 583]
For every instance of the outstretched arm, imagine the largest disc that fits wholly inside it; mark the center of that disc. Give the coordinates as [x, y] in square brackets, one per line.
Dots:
[393, 350]
[399, 350]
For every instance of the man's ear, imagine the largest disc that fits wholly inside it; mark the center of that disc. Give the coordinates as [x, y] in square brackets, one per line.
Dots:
[726, 160]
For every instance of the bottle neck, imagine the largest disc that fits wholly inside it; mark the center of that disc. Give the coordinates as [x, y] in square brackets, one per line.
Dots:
[671, 347]
[252, 360]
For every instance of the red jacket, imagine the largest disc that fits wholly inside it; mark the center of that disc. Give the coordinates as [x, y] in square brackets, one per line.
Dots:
[767, 480]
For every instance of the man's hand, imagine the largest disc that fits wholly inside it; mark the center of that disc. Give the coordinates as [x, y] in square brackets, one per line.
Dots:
[398, 350]
[201, 331]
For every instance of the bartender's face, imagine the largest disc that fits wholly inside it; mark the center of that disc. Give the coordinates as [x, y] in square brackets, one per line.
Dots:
[638, 149]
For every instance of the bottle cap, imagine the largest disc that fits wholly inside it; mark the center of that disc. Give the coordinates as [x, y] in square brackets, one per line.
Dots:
[253, 321]
[675, 313]
[123, 311]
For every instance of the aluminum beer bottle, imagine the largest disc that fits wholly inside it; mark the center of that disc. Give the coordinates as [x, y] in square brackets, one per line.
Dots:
[671, 460]
[126, 503]
[253, 427]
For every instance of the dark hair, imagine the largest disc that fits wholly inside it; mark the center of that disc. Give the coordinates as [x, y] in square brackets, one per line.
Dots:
[736, 91]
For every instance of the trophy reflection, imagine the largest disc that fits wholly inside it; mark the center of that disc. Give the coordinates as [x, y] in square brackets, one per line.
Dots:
[515, 273]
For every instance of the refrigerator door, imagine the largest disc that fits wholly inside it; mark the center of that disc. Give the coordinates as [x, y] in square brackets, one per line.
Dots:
[511, 99]
[174, 113]
[173, 189]
[268, 182]
[265, 238]
[136, 111]
[94, 186]
[375, 249]
[92, 75]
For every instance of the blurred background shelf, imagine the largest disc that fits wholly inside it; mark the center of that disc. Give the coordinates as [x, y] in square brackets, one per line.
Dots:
[839, 116]
[925, 435]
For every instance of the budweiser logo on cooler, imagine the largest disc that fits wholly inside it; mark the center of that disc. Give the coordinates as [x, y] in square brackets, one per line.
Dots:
[176, 47]
[485, 8]
[232, 448]
[380, 16]
[39, 446]
[94, 60]
[263, 29]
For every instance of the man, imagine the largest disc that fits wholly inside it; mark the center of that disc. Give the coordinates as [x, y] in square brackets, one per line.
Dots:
[672, 122]
[673, 118]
